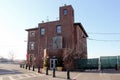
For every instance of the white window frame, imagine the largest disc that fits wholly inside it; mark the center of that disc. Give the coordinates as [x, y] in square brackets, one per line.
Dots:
[42, 31]
[59, 29]
[31, 45]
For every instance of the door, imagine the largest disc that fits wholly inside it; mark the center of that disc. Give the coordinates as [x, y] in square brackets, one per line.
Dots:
[53, 63]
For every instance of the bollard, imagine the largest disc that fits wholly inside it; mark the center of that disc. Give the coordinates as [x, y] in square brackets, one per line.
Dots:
[23, 65]
[47, 71]
[20, 66]
[29, 67]
[26, 66]
[68, 74]
[38, 69]
[33, 68]
[53, 72]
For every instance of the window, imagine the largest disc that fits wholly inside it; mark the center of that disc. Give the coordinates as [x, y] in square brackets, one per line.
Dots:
[32, 33]
[31, 46]
[59, 30]
[31, 58]
[42, 31]
[65, 11]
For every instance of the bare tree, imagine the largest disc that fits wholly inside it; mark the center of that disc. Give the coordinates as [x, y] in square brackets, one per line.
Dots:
[11, 56]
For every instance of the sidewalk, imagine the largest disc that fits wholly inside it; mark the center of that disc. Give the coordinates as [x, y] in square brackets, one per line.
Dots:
[88, 75]
[59, 75]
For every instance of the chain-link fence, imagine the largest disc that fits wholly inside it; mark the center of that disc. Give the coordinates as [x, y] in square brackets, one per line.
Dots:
[104, 62]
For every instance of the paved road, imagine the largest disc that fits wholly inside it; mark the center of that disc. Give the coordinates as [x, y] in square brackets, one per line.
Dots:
[14, 72]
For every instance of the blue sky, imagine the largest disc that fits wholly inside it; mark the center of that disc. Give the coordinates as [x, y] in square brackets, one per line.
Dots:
[97, 16]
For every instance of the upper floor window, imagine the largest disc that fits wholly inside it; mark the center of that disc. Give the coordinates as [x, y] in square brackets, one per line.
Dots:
[31, 58]
[65, 11]
[32, 33]
[42, 31]
[59, 29]
[31, 45]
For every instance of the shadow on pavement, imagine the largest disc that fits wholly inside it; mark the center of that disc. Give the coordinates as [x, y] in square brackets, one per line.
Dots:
[5, 72]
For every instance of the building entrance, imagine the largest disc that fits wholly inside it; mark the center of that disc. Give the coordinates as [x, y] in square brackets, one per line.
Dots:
[53, 63]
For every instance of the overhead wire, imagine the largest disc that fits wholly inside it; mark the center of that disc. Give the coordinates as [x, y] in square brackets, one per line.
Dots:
[104, 33]
[103, 40]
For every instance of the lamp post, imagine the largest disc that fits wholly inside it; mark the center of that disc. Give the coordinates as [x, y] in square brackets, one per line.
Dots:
[47, 66]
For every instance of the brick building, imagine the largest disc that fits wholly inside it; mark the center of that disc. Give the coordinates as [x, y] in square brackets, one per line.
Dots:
[57, 39]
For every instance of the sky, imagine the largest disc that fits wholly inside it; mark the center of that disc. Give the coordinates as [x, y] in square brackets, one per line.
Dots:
[100, 18]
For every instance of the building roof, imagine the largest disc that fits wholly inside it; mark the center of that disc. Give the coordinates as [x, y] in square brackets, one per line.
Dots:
[80, 25]
[31, 29]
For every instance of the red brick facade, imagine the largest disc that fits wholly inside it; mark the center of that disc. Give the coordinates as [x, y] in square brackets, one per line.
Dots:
[62, 38]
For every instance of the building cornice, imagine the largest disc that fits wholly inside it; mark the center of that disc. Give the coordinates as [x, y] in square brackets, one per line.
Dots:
[31, 29]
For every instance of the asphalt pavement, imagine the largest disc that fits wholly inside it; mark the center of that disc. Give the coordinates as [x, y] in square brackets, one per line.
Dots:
[14, 72]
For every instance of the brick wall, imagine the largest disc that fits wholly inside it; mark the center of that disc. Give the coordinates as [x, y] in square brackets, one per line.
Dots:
[72, 36]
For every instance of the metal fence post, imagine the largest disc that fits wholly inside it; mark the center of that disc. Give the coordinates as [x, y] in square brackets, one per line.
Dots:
[39, 69]
[68, 74]
[23, 65]
[29, 67]
[47, 71]
[26, 66]
[33, 68]
[20, 65]
[54, 72]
